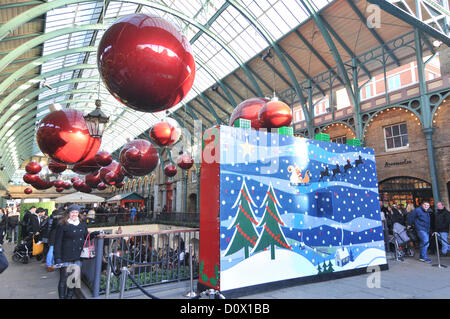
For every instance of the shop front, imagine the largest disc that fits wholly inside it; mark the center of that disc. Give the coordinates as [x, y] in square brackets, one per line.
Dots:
[404, 190]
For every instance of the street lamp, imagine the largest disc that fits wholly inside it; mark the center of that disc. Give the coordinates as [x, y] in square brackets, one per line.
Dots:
[96, 120]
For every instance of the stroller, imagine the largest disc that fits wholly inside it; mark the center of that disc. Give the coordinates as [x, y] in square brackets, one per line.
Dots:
[24, 251]
[401, 241]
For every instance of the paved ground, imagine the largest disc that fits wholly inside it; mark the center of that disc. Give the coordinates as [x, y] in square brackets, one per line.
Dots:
[404, 280]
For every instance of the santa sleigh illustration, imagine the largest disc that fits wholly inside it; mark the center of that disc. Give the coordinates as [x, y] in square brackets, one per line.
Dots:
[296, 178]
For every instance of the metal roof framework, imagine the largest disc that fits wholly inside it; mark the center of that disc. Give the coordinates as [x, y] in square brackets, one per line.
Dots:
[242, 49]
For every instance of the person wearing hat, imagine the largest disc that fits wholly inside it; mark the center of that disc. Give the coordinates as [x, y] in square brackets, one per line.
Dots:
[71, 233]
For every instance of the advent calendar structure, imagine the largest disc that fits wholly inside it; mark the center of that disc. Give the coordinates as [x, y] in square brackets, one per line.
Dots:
[278, 209]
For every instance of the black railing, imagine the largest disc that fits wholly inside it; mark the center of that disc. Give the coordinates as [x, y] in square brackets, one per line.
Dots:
[152, 258]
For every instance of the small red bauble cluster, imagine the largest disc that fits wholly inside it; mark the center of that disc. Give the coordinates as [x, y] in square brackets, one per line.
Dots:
[263, 113]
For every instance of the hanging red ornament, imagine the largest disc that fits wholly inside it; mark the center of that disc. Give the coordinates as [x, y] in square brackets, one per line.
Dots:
[103, 158]
[42, 184]
[170, 170]
[125, 173]
[33, 168]
[74, 179]
[28, 190]
[85, 188]
[148, 161]
[67, 185]
[30, 179]
[56, 167]
[78, 184]
[110, 178]
[275, 114]
[132, 155]
[87, 166]
[185, 161]
[165, 133]
[64, 137]
[145, 62]
[92, 180]
[60, 189]
[58, 184]
[101, 186]
[249, 110]
[112, 169]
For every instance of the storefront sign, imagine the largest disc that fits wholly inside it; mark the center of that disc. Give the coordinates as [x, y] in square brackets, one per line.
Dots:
[404, 162]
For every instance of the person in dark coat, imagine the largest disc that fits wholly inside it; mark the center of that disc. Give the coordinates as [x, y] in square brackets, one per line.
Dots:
[69, 240]
[420, 219]
[52, 225]
[12, 224]
[3, 219]
[35, 223]
[441, 226]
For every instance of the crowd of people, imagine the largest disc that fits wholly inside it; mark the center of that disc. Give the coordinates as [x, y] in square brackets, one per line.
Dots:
[114, 213]
[423, 222]
[62, 234]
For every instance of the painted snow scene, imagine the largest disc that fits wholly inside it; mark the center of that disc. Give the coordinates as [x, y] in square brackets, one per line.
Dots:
[292, 207]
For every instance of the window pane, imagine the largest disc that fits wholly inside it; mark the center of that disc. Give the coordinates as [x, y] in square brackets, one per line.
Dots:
[397, 141]
[387, 132]
[395, 130]
[405, 140]
[403, 129]
[390, 143]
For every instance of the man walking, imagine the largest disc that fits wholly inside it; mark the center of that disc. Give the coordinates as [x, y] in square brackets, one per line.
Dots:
[420, 218]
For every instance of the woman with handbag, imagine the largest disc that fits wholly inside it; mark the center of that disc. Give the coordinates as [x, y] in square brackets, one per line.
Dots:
[70, 238]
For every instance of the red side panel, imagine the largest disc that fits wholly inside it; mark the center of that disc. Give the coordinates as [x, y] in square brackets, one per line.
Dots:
[210, 209]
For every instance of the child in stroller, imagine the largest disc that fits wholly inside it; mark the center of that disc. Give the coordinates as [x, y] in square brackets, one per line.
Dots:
[402, 243]
[24, 250]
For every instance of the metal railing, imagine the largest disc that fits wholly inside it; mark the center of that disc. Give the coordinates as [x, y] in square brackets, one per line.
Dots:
[151, 258]
[125, 218]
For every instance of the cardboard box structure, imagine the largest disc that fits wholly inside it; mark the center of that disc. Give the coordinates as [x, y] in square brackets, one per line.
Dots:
[276, 208]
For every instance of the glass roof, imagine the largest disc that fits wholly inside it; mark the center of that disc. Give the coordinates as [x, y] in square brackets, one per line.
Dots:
[213, 61]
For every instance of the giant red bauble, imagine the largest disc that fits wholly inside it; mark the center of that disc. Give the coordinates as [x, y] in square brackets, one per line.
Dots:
[170, 170]
[275, 114]
[30, 179]
[28, 190]
[67, 185]
[103, 158]
[145, 62]
[33, 168]
[249, 110]
[101, 186]
[59, 189]
[56, 167]
[165, 133]
[185, 161]
[133, 155]
[64, 137]
[148, 161]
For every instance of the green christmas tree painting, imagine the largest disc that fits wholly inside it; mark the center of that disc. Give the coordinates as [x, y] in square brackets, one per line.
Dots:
[245, 234]
[271, 234]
